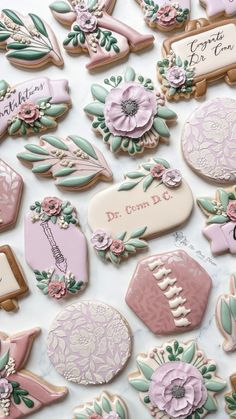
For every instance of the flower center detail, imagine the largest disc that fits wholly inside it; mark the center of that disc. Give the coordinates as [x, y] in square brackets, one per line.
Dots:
[129, 107]
[27, 111]
[178, 392]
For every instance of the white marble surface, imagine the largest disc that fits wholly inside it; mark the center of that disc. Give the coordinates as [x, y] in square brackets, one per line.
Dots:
[107, 283]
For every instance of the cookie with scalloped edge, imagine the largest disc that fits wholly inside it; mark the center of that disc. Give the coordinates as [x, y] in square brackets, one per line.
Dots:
[106, 406]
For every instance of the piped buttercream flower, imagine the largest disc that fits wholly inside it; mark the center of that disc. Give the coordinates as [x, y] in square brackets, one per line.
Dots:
[166, 15]
[87, 21]
[28, 112]
[101, 240]
[51, 206]
[172, 178]
[176, 76]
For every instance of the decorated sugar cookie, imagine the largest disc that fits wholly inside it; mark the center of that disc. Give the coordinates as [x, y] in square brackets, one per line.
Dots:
[226, 316]
[32, 106]
[140, 207]
[208, 140]
[74, 163]
[28, 40]
[11, 189]
[22, 392]
[129, 114]
[55, 248]
[12, 284]
[163, 290]
[94, 31]
[230, 398]
[203, 54]
[106, 406]
[220, 8]
[165, 15]
[89, 343]
[221, 220]
[177, 380]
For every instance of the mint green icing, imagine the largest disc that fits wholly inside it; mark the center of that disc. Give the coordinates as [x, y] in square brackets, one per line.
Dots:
[161, 127]
[95, 109]
[76, 181]
[120, 410]
[189, 353]
[129, 74]
[106, 405]
[60, 7]
[55, 142]
[225, 317]
[140, 385]
[166, 113]
[84, 145]
[145, 369]
[99, 92]
[232, 304]
[36, 149]
[210, 404]
[42, 168]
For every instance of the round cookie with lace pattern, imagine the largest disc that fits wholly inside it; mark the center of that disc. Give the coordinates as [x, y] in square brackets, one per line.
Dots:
[89, 343]
[209, 141]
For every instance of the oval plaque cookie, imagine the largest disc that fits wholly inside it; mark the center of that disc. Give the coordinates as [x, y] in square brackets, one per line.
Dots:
[89, 343]
[209, 140]
[151, 201]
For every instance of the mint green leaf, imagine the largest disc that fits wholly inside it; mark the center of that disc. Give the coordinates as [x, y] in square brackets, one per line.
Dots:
[4, 37]
[134, 175]
[99, 92]
[47, 122]
[215, 386]
[39, 24]
[138, 233]
[166, 113]
[13, 16]
[189, 353]
[225, 317]
[95, 109]
[163, 162]
[27, 54]
[140, 244]
[64, 172]
[42, 168]
[55, 142]
[140, 385]
[217, 219]
[210, 404]
[147, 182]
[121, 236]
[127, 186]
[60, 7]
[14, 127]
[84, 145]
[56, 110]
[36, 149]
[129, 74]
[120, 410]
[207, 205]
[116, 144]
[97, 408]
[232, 304]
[161, 127]
[106, 405]
[224, 198]
[29, 157]
[78, 181]
[146, 370]
[4, 360]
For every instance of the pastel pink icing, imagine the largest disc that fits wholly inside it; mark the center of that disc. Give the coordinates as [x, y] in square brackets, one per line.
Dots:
[214, 7]
[221, 237]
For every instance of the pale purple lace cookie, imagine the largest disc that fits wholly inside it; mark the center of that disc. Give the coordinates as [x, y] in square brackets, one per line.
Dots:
[89, 343]
[209, 141]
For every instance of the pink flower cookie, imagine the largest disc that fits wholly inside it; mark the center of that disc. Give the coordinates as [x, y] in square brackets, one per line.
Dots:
[89, 343]
[32, 106]
[95, 31]
[55, 248]
[177, 381]
[131, 116]
[219, 9]
[41, 47]
[221, 223]
[165, 15]
[106, 406]
[163, 290]
[22, 392]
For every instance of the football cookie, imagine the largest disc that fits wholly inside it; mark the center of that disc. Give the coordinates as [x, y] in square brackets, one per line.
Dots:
[55, 248]
[28, 40]
[106, 406]
[129, 114]
[221, 222]
[32, 106]
[220, 8]
[74, 163]
[226, 316]
[230, 398]
[203, 54]
[89, 343]
[165, 15]
[139, 208]
[12, 284]
[22, 392]
[177, 380]
[163, 290]
[208, 140]
[95, 31]
[11, 189]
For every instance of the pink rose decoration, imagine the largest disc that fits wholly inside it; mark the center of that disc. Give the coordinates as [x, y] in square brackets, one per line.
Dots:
[166, 15]
[51, 206]
[172, 178]
[176, 76]
[28, 112]
[5, 388]
[130, 110]
[95, 416]
[111, 415]
[101, 240]
[157, 171]
[117, 247]
[177, 388]
[57, 289]
[81, 7]
[87, 22]
[231, 210]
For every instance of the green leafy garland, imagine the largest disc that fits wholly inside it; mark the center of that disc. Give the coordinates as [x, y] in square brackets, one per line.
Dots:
[65, 217]
[176, 351]
[103, 406]
[151, 9]
[129, 145]
[46, 278]
[230, 400]
[216, 209]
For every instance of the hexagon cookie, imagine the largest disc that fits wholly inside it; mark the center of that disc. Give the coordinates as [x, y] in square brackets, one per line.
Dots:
[169, 292]
[11, 188]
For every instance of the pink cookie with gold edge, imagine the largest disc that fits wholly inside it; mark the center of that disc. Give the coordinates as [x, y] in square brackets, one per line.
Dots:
[219, 8]
[209, 140]
[221, 222]
[226, 316]
[39, 42]
[96, 32]
[165, 15]
[55, 248]
[89, 343]
[177, 381]
[74, 163]
[32, 106]
[163, 291]
[23, 393]
[106, 406]
[11, 189]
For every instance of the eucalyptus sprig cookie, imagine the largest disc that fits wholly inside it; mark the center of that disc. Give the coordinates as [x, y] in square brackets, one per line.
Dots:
[177, 380]
[226, 316]
[106, 406]
[129, 114]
